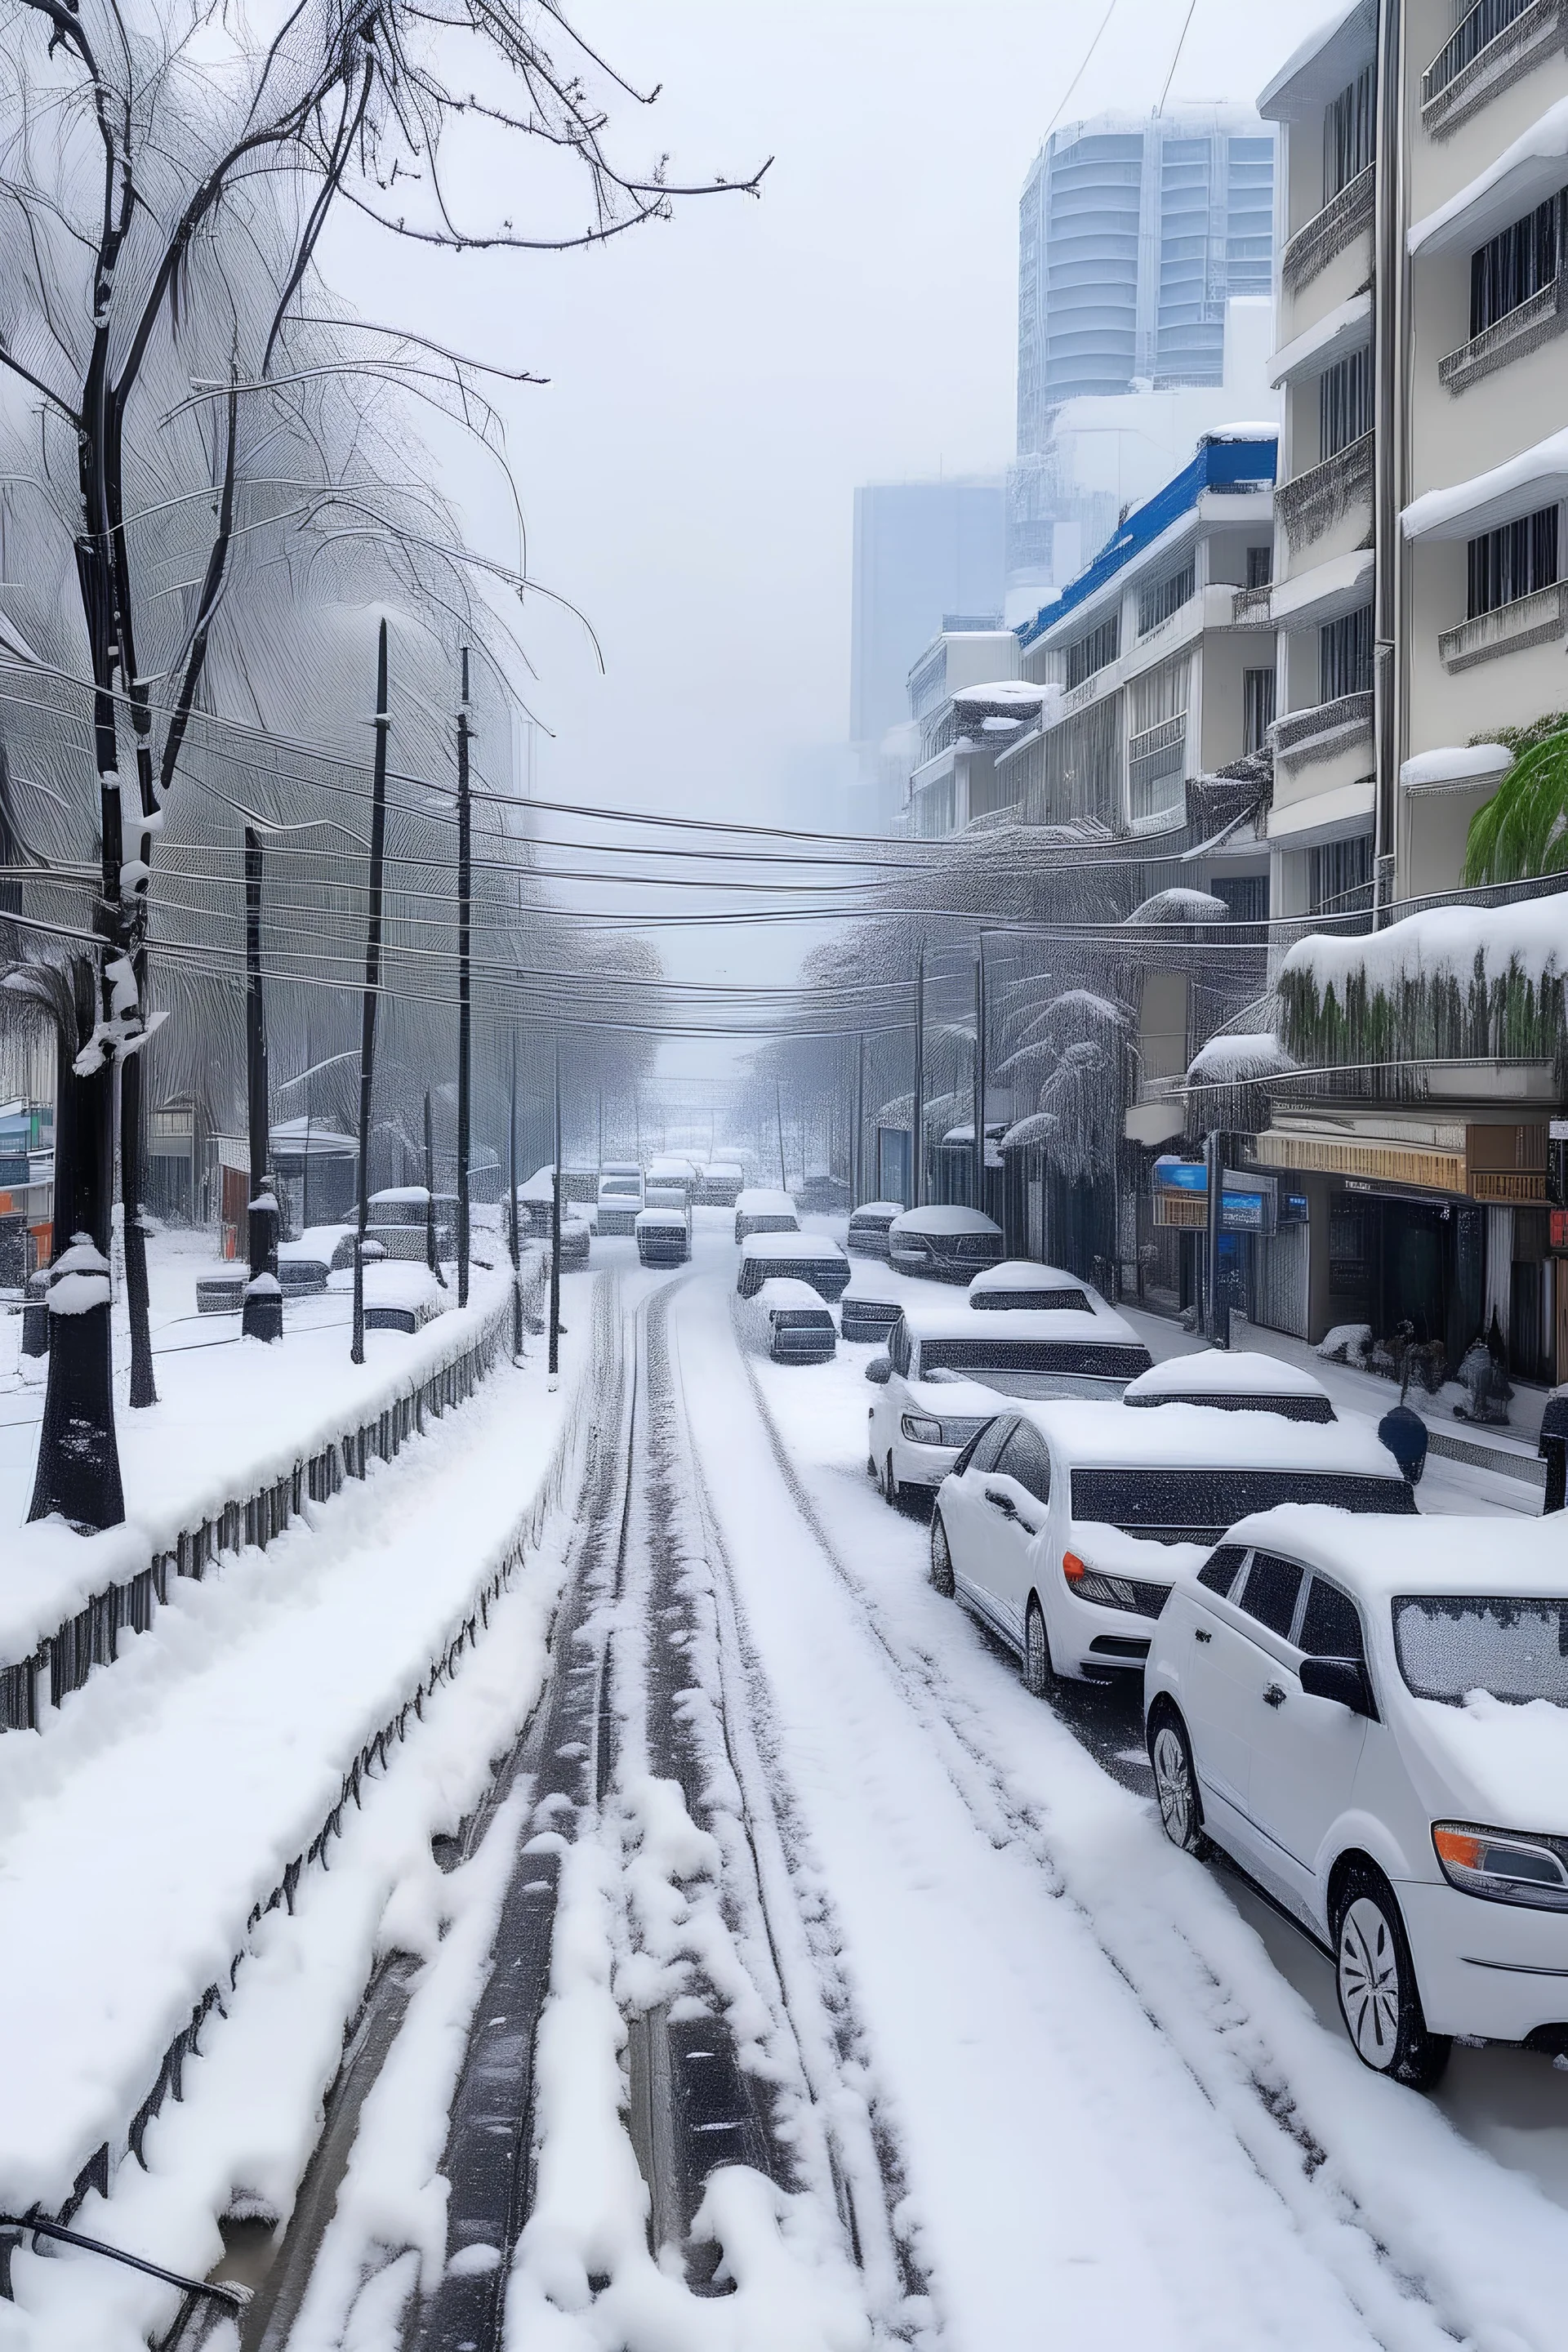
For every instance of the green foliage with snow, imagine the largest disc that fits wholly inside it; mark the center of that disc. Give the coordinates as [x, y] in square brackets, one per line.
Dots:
[1522, 831]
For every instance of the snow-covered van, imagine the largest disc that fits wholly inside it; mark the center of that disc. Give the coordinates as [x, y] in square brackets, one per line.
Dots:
[759, 1210]
[721, 1183]
[664, 1236]
[800, 1325]
[933, 1350]
[1373, 1721]
[1066, 1526]
[620, 1197]
[948, 1244]
[815, 1258]
[1019, 1285]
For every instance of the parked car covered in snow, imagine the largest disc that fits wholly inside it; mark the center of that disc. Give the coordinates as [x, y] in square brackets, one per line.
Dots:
[864, 1319]
[576, 1235]
[869, 1225]
[800, 1324]
[721, 1184]
[932, 1348]
[1233, 1383]
[1373, 1721]
[1019, 1286]
[620, 1200]
[759, 1211]
[664, 1237]
[1065, 1527]
[947, 1244]
[815, 1258]
[667, 1192]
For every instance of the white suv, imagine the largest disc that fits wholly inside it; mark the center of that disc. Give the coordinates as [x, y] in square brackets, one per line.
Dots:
[1371, 1719]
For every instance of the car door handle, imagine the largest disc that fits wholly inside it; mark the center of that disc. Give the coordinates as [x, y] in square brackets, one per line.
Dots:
[1199, 1635]
[1274, 1695]
[1003, 1502]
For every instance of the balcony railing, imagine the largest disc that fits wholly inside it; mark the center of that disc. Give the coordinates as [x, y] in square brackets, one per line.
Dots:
[1251, 608]
[1342, 218]
[1533, 620]
[1310, 504]
[1156, 762]
[1487, 50]
[1318, 734]
[1532, 321]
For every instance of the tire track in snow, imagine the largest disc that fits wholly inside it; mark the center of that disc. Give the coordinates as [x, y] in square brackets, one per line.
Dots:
[1386, 2289]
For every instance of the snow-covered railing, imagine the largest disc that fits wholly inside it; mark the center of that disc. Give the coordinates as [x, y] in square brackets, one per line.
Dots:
[61, 1662]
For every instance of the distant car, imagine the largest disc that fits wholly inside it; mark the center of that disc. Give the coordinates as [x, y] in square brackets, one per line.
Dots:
[664, 1237]
[932, 1349]
[667, 1192]
[1066, 1526]
[869, 1225]
[1018, 1284]
[815, 1258]
[1238, 1382]
[1373, 1721]
[721, 1184]
[759, 1211]
[947, 1244]
[861, 1319]
[800, 1325]
[536, 1202]
[575, 1237]
[620, 1198]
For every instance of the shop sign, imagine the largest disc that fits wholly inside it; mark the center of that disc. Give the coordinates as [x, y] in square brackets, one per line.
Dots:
[1557, 1228]
[1247, 1200]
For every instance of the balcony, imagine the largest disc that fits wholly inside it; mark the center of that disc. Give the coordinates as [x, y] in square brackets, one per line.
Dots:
[1339, 224]
[1303, 736]
[1498, 41]
[1310, 504]
[1532, 620]
[1535, 321]
[1251, 608]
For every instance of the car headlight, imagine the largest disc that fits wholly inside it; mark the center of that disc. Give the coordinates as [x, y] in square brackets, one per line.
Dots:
[1503, 1868]
[920, 1430]
[1112, 1592]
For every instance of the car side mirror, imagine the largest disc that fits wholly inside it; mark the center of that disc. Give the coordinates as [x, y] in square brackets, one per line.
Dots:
[881, 1371]
[1340, 1679]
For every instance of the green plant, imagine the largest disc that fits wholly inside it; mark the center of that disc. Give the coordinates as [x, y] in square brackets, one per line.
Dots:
[1522, 831]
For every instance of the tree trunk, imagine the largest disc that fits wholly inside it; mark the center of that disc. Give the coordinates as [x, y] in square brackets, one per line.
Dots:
[372, 983]
[556, 1232]
[465, 985]
[77, 1474]
[511, 1215]
[263, 1317]
[132, 1152]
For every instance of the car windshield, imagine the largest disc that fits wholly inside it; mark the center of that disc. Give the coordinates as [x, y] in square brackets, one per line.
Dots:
[623, 1187]
[995, 1352]
[1038, 1302]
[1197, 1506]
[1050, 1384]
[1450, 1645]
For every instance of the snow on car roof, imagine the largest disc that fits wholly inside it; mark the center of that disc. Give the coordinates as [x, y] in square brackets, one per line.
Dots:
[1023, 1274]
[946, 1321]
[1202, 1437]
[1381, 1558]
[648, 1218]
[936, 1220]
[787, 1290]
[878, 1209]
[400, 1192]
[619, 1167]
[724, 1168]
[758, 1196]
[796, 1245]
[1213, 1371]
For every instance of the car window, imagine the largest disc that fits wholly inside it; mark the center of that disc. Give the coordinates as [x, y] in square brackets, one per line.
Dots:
[899, 1347]
[1330, 1624]
[981, 1452]
[1219, 1572]
[1272, 1589]
[1025, 1458]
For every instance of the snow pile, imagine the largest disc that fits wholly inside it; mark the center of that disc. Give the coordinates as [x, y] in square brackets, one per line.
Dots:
[1456, 766]
[1218, 1372]
[1536, 478]
[1347, 1343]
[1529, 937]
[1180, 906]
[1509, 179]
[1232, 1058]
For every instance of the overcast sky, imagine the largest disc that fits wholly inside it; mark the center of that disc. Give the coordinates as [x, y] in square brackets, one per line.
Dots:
[720, 384]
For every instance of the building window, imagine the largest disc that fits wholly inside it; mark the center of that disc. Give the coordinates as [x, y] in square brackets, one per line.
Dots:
[1166, 596]
[1503, 565]
[1341, 880]
[1260, 565]
[1349, 134]
[1345, 403]
[1257, 690]
[1245, 895]
[1345, 656]
[1094, 652]
[1516, 263]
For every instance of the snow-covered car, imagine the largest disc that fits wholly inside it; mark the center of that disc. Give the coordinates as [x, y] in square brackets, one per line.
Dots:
[867, 1320]
[620, 1197]
[869, 1225]
[1019, 1285]
[1066, 1526]
[664, 1237]
[536, 1203]
[946, 1244]
[575, 1237]
[800, 1325]
[1233, 1383]
[759, 1210]
[721, 1184]
[667, 1192]
[815, 1258]
[1373, 1721]
[932, 1348]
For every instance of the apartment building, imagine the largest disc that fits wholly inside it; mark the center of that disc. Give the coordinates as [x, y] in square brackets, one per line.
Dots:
[964, 701]
[1417, 605]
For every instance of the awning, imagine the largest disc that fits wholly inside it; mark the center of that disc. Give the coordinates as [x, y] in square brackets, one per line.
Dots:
[1343, 330]
[1325, 592]
[1319, 68]
[1536, 478]
[1521, 177]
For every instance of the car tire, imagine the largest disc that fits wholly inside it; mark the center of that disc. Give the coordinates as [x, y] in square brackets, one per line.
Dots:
[1374, 1978]
[1039, 1673]
[1177, 1781]
[940, 1558]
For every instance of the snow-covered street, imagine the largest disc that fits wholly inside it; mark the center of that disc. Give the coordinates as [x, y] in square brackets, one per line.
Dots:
[781, 1866]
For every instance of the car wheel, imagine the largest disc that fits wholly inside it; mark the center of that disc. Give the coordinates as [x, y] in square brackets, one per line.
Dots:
[1176, 1782]
[1039, 1673]
[1375, 1979]
[940, 1558]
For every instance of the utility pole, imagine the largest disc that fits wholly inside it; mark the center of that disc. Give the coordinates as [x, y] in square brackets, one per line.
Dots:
[979, 1074]
[372, 983]
[1390, 306]
[1219, 1325]
[555, 1232]
[857, 1154]
[432, 1255]
[464, 982]
[513, 1246]
[918, 1121]
[778, 1113]
[263, 1315]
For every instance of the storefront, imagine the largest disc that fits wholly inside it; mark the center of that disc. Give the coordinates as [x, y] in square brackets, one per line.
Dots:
[1262, 1239]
